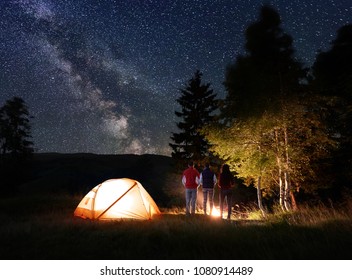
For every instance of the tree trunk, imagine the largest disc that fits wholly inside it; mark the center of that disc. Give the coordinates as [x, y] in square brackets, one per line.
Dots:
[259, 196]
[293, 201]
[287, 191]
[278, 160]
[282, 192]
[286, 174]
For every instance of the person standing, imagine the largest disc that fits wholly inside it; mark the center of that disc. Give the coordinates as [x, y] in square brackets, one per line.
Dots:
[190, 180]
[208, 181]
[226, 182]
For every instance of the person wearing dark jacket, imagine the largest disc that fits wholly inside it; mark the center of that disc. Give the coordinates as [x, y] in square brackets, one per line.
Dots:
[226, 182]
[208, 181]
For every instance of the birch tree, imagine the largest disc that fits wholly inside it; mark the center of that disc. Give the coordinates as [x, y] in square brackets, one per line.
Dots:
[246, 147]
[271, 130]
[261, 83]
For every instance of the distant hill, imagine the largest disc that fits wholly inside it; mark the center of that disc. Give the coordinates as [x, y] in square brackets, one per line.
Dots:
[78, 173]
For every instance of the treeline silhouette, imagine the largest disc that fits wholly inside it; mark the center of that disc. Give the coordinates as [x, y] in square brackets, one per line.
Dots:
[283, 127]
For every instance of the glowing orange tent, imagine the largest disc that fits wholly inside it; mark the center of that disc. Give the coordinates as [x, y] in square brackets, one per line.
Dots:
[117, 199]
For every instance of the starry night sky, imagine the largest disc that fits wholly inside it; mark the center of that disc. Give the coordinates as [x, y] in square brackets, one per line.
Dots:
[103, 76]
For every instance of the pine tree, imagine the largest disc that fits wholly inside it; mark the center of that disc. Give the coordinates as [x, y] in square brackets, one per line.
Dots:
[259, 81]
[16, 146]
[15, 129]
[198, 104]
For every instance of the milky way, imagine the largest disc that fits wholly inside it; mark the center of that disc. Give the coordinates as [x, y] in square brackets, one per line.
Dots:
[103, 76]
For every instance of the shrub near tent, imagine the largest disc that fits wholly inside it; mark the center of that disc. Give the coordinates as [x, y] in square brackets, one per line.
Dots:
[117, 199]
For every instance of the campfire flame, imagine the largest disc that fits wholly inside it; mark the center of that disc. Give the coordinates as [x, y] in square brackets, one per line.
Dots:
[215, 212]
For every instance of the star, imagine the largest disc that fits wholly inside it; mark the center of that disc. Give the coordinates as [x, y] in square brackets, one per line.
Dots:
[103, 76]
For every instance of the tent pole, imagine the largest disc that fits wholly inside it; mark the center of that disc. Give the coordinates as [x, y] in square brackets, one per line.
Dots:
[107, 209]
[93, 202]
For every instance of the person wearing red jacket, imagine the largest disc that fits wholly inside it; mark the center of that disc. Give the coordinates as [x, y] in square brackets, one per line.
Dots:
[190, 180]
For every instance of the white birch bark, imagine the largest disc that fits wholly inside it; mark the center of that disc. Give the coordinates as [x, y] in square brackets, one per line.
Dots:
[286, 174]
[278, 160]
[259, 196]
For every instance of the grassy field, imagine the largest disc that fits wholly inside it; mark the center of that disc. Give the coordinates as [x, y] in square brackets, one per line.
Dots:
[42, 226]
[36, 221]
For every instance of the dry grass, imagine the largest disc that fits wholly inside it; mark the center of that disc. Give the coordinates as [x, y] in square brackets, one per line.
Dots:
[315, 215]
[43, 227]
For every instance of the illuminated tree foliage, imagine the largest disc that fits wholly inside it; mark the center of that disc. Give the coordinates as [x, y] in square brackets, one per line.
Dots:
[262, 83]
[269, 133]
[246, 148]
[198, 105]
